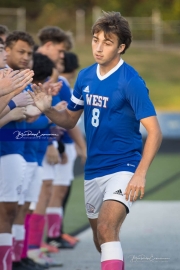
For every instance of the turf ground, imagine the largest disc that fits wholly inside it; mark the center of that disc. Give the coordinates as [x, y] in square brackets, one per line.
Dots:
[163, 183]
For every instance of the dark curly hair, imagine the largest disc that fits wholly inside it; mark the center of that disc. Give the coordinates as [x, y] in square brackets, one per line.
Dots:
[71, 62]
[42, 67]
[19, 35]
[55, 35]
[113, 23]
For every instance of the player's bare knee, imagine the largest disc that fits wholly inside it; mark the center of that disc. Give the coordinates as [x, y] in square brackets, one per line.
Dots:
[104, 229]
[47, 188]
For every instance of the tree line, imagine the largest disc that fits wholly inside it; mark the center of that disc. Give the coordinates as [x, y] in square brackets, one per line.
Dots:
[170, 9]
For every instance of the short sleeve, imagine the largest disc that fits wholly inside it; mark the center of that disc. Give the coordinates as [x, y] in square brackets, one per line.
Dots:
[137, 95]
[76, 102]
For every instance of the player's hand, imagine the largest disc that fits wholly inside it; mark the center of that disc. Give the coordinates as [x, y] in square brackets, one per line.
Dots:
[32, 111]
[14, 81]
[135, 188]
[82, 153]
[55, 87]
[23, 99]
[18, 114]
[64, 158]
[61, 105]
[52, 155]
[41, 99]
[31, 119]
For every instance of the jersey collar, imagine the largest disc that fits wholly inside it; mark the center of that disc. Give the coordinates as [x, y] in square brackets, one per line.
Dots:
[109, 72]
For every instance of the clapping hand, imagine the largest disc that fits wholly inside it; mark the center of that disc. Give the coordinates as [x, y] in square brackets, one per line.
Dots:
[42, 98]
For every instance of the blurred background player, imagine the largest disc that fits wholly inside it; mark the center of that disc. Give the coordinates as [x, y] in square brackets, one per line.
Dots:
[43, 68]
[63, 172]
[19, 46]
[53, 43]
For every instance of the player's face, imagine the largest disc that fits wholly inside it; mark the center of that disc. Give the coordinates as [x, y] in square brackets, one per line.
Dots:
[2, 56]
[19, 55]
[105, 49]
[55, 51]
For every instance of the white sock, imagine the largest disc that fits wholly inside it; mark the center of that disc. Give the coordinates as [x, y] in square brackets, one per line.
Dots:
[53, 210]
[111, 251]
[18, 232]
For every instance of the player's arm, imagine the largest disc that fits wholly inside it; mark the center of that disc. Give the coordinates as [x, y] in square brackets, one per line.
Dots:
[17, 83]
[14, 115]
[64, 118]
[152, 144]
[4, 100]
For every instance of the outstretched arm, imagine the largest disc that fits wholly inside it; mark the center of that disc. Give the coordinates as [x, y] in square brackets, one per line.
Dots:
[63, 118]
[152, 144]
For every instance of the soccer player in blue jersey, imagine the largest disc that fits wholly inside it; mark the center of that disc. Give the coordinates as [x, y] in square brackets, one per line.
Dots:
[11, 82]
[19, 48]
[63, 171]
[115, 101]
[53, 43]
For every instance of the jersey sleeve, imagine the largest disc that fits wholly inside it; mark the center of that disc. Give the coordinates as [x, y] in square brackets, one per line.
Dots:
[137, 95]
[76, 102]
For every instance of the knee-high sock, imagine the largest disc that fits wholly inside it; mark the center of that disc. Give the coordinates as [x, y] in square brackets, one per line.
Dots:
[5, 251]
[18, 233]
[54, 220]
[36, 230]
[112, 256]
[25, 244]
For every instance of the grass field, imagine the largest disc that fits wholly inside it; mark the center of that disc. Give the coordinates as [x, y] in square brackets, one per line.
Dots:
[163, 167]
[160, 70]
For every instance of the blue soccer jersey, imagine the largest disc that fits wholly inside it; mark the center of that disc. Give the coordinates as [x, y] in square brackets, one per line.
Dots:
[113, 106]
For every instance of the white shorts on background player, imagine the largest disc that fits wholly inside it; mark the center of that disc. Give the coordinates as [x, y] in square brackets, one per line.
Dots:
[35, 186]
[12, 176]
[32, 183]
[108, 187]
[64, 173]
[48, 171]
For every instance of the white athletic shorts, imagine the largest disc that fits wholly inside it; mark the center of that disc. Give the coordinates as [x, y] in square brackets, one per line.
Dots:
[108, 187]
[48, 172]
[35, 186]
[64, 173]
[12, 172]
[30, 183]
